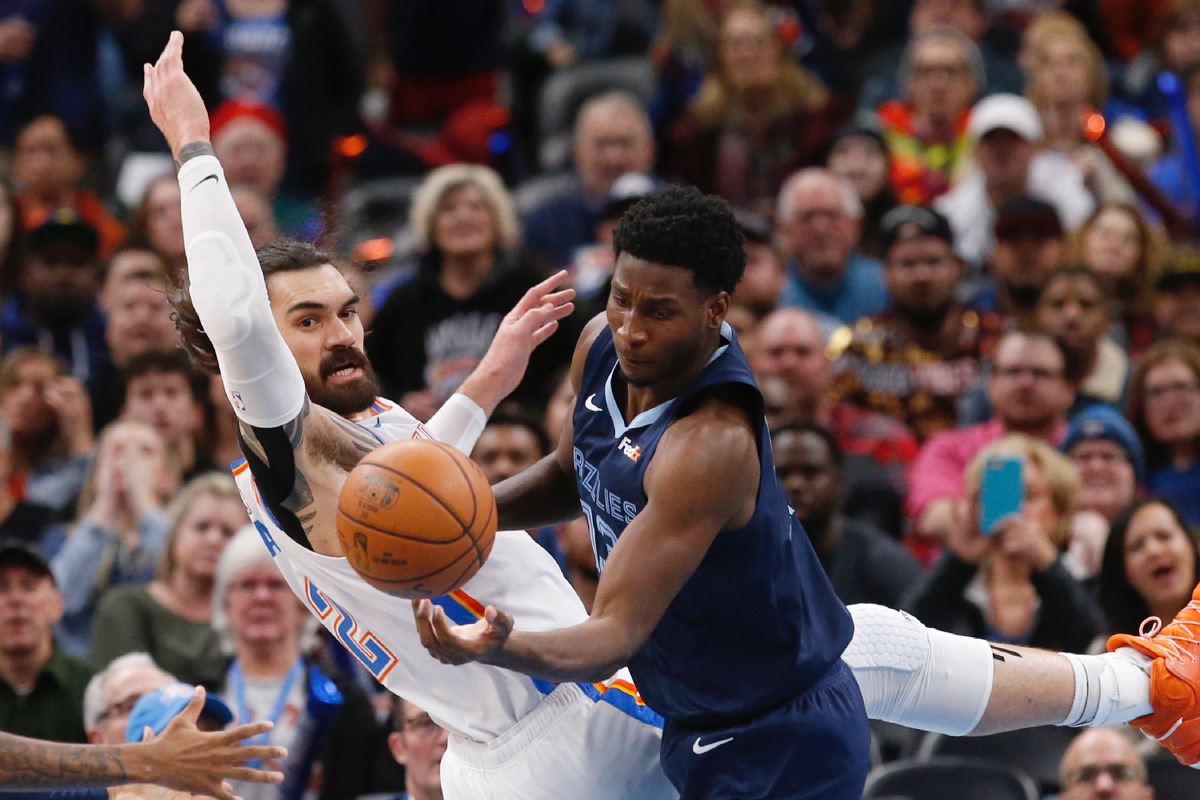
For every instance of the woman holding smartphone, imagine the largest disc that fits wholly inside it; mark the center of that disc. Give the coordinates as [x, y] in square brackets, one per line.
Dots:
[1002, 575]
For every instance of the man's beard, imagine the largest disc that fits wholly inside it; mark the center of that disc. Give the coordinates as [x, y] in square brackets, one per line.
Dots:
[344, 399]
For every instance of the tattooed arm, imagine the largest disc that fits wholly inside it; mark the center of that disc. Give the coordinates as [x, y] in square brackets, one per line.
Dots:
[299, 468]
[181, 758]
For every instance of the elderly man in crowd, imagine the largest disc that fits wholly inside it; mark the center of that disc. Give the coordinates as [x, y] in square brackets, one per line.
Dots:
[819, 220]
[111, 695]
[613, 137]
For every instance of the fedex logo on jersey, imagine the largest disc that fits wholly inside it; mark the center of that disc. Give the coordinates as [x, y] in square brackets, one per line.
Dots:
[631, 451]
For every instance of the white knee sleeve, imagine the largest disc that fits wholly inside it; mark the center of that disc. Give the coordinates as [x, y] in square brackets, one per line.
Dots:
[262, 380]
[917, 676]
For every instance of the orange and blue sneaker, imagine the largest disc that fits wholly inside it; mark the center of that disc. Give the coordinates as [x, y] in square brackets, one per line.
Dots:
[1174, 680]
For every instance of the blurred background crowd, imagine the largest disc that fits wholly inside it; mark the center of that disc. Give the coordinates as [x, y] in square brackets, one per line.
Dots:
[970, 228]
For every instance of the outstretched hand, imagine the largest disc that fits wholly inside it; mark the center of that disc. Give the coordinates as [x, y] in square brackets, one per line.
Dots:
[174, 102]
[186, 759]
[460, 644]
[531, 322]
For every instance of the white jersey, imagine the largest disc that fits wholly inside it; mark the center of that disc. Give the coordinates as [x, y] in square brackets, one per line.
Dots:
[476, 701]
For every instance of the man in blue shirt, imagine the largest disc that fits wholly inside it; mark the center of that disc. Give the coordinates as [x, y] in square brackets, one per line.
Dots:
[820, 223]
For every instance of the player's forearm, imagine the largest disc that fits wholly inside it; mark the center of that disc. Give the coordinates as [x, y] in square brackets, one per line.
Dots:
[587, 653]
[34, 764]
[459, 422]
[229, 293]
[540, 495]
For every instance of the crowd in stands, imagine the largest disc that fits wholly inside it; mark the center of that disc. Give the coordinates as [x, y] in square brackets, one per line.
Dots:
[972, 229]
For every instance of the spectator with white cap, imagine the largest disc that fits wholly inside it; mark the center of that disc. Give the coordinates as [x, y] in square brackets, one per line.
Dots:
[1009, 161]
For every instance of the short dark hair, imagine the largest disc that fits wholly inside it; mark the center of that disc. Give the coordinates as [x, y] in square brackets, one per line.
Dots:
[801, 427]
[683, 227]
[1072, 271]
[516, 416]
[166, 362]
[283, 255]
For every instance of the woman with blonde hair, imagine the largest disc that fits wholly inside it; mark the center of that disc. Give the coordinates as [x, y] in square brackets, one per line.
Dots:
[431, 331]
[757, 118]
[170, 618]
[1067, 79]
[1012, 585]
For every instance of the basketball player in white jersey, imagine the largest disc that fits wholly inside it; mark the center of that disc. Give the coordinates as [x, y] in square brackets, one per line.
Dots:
[294, 372]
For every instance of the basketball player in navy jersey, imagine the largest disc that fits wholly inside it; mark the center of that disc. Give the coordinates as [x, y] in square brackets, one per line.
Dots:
[709, 589]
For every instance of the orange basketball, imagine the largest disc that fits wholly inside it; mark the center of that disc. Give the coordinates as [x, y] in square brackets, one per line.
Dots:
[416, 518]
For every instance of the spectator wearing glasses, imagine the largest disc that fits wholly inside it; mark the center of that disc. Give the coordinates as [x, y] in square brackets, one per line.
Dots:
[1164, 405]
[419, 744]
[819, 222]
[1103, 764]
[111, 695]
[1029, 394]
[927, 132]
[326, 724]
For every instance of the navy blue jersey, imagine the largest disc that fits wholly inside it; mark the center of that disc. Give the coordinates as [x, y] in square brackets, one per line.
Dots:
[758, 623]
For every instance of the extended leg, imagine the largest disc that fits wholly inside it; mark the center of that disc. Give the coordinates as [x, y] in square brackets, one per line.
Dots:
[931, 680]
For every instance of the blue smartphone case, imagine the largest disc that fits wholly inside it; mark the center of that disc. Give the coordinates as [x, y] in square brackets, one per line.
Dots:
[1002, 491]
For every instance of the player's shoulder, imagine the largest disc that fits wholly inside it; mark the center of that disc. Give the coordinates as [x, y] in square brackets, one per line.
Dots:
[718, 421]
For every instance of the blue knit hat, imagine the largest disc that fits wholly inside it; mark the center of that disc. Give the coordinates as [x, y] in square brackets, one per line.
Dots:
[1103, 422]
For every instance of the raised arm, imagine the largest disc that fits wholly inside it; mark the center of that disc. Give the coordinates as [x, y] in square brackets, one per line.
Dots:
[532, 321]
[299, 452]
[653, 558]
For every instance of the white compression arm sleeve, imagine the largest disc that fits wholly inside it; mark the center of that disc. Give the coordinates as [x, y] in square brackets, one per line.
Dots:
[458, 423]
[262, 380]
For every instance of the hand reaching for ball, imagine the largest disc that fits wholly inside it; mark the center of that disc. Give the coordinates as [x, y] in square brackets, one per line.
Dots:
[461, 644]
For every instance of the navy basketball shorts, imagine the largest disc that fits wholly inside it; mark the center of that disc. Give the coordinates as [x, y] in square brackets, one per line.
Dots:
[814, 747]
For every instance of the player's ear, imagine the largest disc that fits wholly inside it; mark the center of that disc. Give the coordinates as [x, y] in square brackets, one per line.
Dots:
[717, 307]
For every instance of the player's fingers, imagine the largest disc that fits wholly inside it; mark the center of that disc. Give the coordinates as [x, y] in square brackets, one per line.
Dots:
[175, 46]
[254, 775]
[543, 333]
[425, 625]
[260, 752]
[559, 297]
[535, 294]
[247, 731]
[191, 712]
